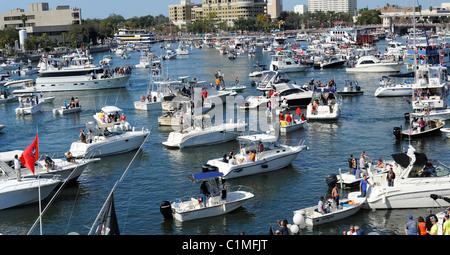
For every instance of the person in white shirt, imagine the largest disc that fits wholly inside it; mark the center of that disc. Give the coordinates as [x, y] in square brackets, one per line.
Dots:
[17, 168]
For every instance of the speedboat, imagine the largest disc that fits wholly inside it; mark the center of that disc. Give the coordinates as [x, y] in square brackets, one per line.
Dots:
[236, 87]
[29, 104]
[203, 133]
[371, 64]
[416, 180]
[181, 50]
[295, 124]
[431, 127]
[193, 208]
[258, 70]
[269, 156]
[64, 110]
[110, 136]
[63, 169]
[350, 180]
[389, 88]
[346, 208]
[286, 64]
[349, 90]
[2, 127]
[325, 105]
[11, 65]
[446, 131]
[330, 62]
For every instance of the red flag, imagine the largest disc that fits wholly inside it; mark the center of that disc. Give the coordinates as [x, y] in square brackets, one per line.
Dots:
[30, 155]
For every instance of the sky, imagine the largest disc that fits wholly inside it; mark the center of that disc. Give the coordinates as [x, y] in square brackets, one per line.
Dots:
[129, 8]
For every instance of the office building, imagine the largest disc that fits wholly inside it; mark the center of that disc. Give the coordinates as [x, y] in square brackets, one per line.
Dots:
[347, 6]
[40, 19]
[231, 10]
[274, 8]
[183, 14]
[300, 8]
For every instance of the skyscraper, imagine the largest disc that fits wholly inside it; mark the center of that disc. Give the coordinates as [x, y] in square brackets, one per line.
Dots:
[274, 8]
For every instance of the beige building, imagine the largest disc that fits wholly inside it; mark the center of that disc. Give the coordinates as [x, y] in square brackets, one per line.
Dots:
[40, 19]
[274, 8]
[184, 13]
[231, 10]
[348, 6]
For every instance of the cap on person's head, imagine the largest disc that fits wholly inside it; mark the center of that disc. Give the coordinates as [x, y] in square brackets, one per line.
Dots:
[433, 219]
[410, 216]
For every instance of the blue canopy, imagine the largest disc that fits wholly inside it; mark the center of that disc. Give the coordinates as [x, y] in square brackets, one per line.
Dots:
[204, 176]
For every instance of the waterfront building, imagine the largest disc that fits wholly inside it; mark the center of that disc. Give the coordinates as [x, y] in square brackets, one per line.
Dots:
[231, 10]
[41, 19]
[300, 8]
[347, 6]
[184, 13]
[274, 8]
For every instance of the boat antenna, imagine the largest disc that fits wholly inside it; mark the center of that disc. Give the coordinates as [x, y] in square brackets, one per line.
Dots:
[117, 182]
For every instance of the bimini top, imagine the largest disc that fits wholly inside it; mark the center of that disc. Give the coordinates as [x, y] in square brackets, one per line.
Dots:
[111, 109]
[404, 160]
[204, 176]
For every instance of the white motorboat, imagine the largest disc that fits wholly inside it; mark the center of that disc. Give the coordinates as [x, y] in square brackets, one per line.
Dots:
[349, 90]
[11, 65]
[325, 105]
[181, 50]
[302, 37]
[79, 74]
[349, 179]
[6, 97]
[330, 62]
[236, 87]
[170, 54]
[346, 208]
[29, 70]
[156, 91]
[63, 168]
[2, 127]
[29, 104]
[106, 61]
[371, 64]
[258, 70]
[446, 131]
[144, 63]
[268, 156]
[390, 88]
[193, 208]
[64, 110]
[416, 179]
[203, 133]
[253, 102]
[27, 191]
[295, 124]
[110, 136]
[286, 64]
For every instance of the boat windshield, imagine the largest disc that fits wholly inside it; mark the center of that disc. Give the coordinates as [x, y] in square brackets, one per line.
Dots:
[431, 169]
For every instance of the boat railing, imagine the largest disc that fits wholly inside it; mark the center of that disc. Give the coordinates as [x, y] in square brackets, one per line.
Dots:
[240, 188]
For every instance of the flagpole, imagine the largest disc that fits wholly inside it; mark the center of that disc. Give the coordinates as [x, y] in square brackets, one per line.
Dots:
[39, 189]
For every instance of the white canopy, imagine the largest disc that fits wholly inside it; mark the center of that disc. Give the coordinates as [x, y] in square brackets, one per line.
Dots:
[258, 138]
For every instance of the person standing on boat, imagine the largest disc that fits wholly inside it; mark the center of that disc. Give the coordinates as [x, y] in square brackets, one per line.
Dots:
[224, 190]
[17, 168]
[204, 192]
[335, 195]
[390, 177]
[299, 113]
[350, 164]
[363, 186]
[362, 160]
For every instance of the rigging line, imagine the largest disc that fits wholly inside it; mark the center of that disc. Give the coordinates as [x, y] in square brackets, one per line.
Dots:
[52, 200]
[129, 201]
[73, 208]
[117, 182]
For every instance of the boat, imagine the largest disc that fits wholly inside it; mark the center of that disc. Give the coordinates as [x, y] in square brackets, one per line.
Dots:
[347, 207]
[295, 124]
[181, 50]
[170, 54]
[11, 65]
[325, 105]
[349, 90]
[110, 136]
[6, 97]
[76, 72]
[106, 61]
[416, 179]
[157, 90]
[2, 127]
[431, 127]
[348, 180]
[430, 94]
[302, 37]
[236, 87]
[66, 110]
[330, 62]
[391, 88]
[371, 64]
[286, 64]
[258, 70]
[193, 208]
[202, 133]
[446, 131]
[63, 169]
[28, 104]
[269, 156]
[126, 36]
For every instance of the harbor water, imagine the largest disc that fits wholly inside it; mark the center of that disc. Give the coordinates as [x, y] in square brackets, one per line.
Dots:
[160, 174]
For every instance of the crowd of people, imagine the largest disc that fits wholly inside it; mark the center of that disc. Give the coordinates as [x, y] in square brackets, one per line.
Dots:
[427, 225]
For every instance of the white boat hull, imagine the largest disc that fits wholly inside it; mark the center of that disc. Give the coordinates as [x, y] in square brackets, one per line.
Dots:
[117, 144]
[147, 106]
[29, 110]
[385, 68]
[270, 163]
[63, 110]
[314, 218]
[215, 206]
[391, 91]
[292, 127]
[323, 112]
[441, 114]
[14, 193]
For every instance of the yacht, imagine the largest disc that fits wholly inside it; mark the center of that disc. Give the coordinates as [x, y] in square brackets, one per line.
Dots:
[390, 88]
[269, 156]
[330, 62]
[286, 64]
[416, 178]
[371, 64]
[325, 105]
[202, 133]
[80, 74]
[110, 136]
[302, 37]
[125, 36]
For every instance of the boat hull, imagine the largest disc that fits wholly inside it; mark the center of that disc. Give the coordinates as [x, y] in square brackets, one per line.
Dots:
[129, 141]
[29, 110]
[147, 106]
[25, 191]
[393, 68]
[393, 91]
[64, 111]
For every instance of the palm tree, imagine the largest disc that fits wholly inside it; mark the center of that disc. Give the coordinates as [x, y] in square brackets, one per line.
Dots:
[24, 19]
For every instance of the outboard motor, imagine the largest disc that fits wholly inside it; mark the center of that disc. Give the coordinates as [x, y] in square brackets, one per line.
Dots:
[358, 88]
[397, 132]
[166, 209]
[331, 180]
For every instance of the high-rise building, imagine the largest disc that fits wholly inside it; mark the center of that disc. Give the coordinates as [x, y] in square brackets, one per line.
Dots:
[40, 19]
[300, 8]
[181, 14]
[231, 10]
[274, 8]
[348, 6]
